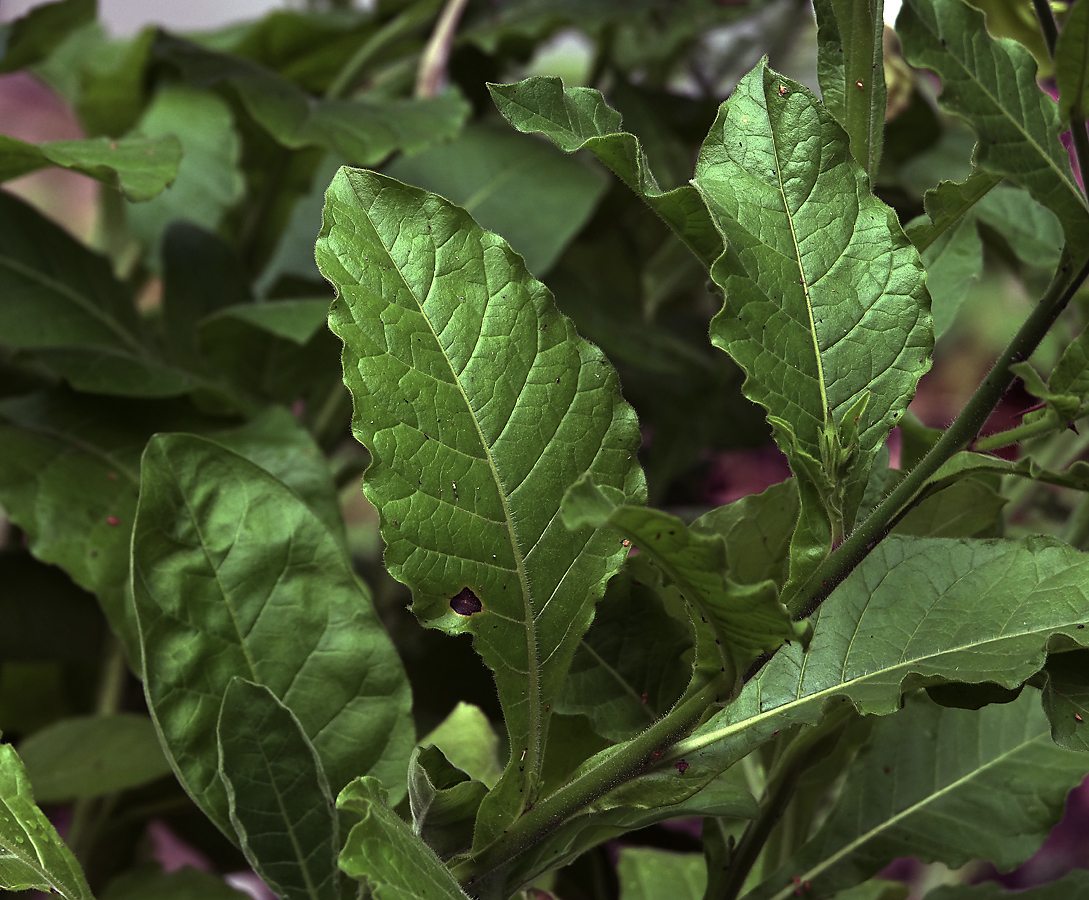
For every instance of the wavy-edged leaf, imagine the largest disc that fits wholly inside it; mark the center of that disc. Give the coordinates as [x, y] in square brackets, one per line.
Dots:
[746, 619]
[916, 611]
[361, 131]
[825, 307]
[1072, 66]
[851, 73]
[31, 38]
[519, 187]
[944, 785]
[32, 855]
[88, 756]
[574, 118]
[946, 204]
[279, 801]
[382, 852]
[992, 85]
[233, 575]
[480, 407]
[467, 739]
[444, 801]
[139, 167]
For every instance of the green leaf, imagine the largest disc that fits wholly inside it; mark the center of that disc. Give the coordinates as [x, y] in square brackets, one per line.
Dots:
[32, 855]
[1066, 699]
[480, 406]
[827, 314]
[632, 665]
[992, 85]
[139, 167]
[182, 884]
[467, 739]
[946, 204]
[968, 610]
[362, 131]
[209, 181]
[954, 262]
[574, 118]
[649, 874]
[852, 75]
[519, 187]
[746, 619]
[382, 852]
[444, 802]
[944, 785]
[293, 320]
[1074, 884]
[279, 801]
[89, 756]
[1072, 66]
[33, 37]
[1032, 231]
[967, 508]
[233, 575]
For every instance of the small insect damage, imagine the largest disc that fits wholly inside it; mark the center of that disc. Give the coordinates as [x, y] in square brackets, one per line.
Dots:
[465, 602]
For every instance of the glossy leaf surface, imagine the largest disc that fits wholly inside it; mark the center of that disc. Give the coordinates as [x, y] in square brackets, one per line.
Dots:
[945, 785]
[992, 84]
[579, 117]
[279, 801]
[32, 855]
[480, 406]
[233, 575]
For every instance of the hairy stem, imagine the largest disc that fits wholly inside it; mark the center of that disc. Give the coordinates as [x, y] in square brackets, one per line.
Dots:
[957, 437]
[625, 763]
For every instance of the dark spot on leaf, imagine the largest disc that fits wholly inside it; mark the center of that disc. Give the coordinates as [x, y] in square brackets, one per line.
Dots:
[112, 476]
[113, 521]
[465, 603]
[681, 766]
[887, 770]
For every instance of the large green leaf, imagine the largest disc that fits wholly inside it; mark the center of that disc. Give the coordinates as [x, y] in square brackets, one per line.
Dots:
[233, 575]
[646, 873]
[746, 619]
[280, 803]
[916, 611]
[519, 187]
[382, 852]
[139, 167]
[62, 301]
[943, 785]
[579, 117]
[480, 407]
[361, 131]
[88, 756]
[992, 84]
[32, 855]
[825, 304]
[852, 74]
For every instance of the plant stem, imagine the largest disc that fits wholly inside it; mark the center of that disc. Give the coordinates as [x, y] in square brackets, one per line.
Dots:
[957, 437]
[1047, 24]
[628, 761]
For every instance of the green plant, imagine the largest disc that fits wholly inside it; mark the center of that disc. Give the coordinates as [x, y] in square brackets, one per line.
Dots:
[842, 670]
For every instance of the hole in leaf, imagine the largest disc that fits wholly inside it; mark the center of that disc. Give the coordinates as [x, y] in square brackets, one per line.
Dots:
[465, 603]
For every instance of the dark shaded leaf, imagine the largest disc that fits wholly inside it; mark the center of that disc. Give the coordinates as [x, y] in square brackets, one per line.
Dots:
[33, 37]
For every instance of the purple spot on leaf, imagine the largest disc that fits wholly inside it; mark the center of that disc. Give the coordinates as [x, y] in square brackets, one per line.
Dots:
[465, 603]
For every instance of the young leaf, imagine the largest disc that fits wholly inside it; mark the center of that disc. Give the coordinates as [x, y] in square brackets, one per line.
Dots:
[992, 85]
[944, 785]
[32, 855]
[139, 167]
[579, 117]
[279, 801]
[852, 75]
[746, 619]
[480, 406]
[444, 802]
[915, 610]
[1072, 66]
[233, 575]
[827, 312]
[382, 852]
[87, 756]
